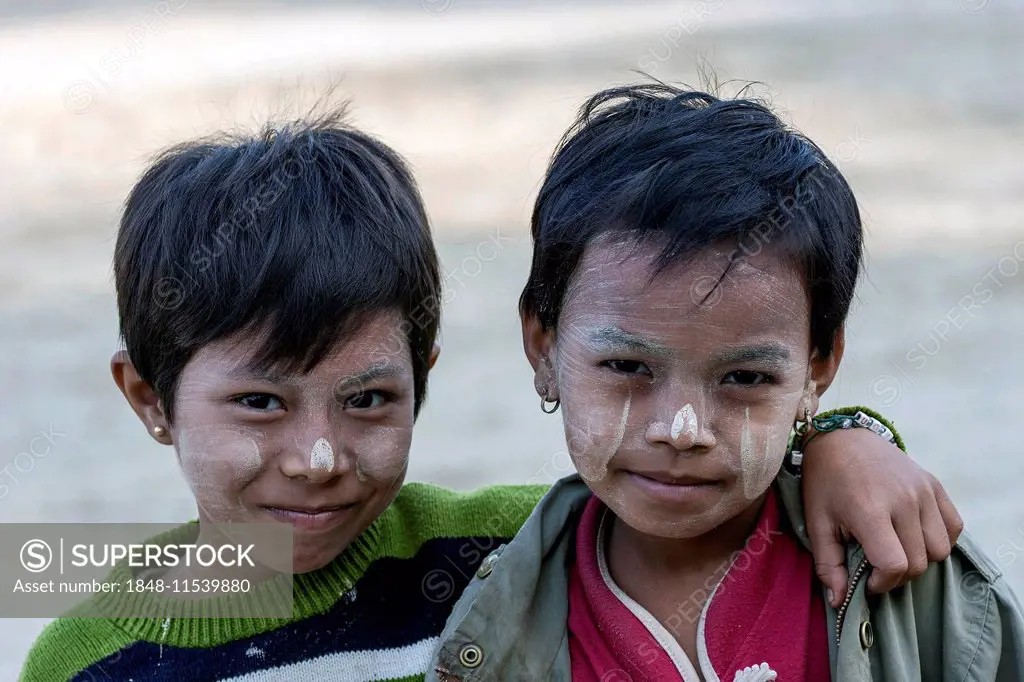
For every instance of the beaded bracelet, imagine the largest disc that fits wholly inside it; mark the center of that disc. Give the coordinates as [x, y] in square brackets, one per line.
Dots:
[834, 421]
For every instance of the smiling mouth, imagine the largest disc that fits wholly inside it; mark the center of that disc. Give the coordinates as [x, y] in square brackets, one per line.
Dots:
[673, 490]
[321, 518]
[668, 479]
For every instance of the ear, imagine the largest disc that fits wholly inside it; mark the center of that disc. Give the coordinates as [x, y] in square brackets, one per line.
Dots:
[434, 353]
[822, 373]
[140, 395]
[539, 345]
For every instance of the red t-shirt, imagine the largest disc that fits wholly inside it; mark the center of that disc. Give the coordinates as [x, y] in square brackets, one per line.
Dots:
[767, 612]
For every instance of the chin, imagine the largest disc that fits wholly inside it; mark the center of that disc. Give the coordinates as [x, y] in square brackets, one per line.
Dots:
[309, 561]
[669, 521]
[672, 528]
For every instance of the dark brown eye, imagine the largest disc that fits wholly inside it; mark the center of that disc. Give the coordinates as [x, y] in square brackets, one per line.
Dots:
[367, 400]
[744, 377]
[628, 367]
[260, 401]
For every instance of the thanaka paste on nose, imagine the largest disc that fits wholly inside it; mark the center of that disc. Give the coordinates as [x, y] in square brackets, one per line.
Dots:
[321, 457]
[685, 421]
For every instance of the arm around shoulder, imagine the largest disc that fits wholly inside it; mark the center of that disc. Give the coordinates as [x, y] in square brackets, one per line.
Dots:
[426, 511]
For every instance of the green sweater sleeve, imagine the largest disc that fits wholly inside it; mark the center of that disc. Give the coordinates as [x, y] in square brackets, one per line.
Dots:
[425, 511]
[68, 646]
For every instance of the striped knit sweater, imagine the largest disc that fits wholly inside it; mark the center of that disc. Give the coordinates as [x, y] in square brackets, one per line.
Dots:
[374, 613]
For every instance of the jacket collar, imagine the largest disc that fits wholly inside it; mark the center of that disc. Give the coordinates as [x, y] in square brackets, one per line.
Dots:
[524, 593]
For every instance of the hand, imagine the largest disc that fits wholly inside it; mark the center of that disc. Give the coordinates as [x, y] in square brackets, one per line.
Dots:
[858, 484]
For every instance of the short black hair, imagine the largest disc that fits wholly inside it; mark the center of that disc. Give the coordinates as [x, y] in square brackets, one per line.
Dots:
[687, 169]
[299, 232]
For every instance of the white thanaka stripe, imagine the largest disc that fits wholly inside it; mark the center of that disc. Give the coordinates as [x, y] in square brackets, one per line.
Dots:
[371, 665]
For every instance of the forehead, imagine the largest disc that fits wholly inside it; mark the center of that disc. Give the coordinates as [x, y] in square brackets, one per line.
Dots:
[381, 340]
[715, 292]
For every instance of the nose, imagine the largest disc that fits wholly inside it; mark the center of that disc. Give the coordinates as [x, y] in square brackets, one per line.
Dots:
[686, 430]
[317, 459]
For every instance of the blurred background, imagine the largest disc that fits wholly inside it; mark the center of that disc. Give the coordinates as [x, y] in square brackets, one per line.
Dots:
[921, 103]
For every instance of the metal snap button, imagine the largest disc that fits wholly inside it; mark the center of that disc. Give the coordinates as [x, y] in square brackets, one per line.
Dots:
[488, 564]
[485, 568]
[867, 634]
[471, 656]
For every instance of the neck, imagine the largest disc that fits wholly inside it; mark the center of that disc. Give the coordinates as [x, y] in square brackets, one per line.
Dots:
[210, 534]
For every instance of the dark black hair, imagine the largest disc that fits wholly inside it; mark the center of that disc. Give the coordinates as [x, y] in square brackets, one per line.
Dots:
[688, 170]
[298, 233]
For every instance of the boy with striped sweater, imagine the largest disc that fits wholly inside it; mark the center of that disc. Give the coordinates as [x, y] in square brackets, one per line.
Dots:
[279, 300]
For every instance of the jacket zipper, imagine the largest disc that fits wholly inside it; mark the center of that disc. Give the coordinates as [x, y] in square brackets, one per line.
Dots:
[841, 614]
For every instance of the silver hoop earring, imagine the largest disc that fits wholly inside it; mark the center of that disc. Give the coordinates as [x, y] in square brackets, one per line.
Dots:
[544, 405]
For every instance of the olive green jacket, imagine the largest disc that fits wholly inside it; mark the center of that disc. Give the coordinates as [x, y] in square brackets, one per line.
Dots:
[959, 621]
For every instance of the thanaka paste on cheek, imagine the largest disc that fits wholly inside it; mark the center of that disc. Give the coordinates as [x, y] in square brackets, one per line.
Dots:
[215, 459]
[758, 471]
[249, 461]
[758, 476]
[747, 458]
[593, 455]
[384, 456]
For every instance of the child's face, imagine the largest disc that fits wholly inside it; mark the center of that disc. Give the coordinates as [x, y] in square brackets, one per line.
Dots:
[325, 452]
[677, 415]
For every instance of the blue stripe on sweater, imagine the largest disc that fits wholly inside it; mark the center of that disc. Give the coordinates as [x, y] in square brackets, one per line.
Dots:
[396, 603]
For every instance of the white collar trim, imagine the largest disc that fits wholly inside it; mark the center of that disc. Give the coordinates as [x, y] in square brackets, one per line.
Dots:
[756, 673]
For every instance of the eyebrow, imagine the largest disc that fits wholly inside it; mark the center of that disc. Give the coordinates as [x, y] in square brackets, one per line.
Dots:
[375, 372]
[770, 353]
[610, 337]
[253, 373]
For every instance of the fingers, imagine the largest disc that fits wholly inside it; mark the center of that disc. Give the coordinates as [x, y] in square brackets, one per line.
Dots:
[886, 550]
[936, 536]
[918, 532]
[829, 560]
[950, 517]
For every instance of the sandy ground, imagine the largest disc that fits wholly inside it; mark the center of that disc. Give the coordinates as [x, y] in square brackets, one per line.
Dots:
[921, 106]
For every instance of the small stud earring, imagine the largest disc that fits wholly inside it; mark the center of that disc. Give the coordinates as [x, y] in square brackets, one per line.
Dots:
[159, 431]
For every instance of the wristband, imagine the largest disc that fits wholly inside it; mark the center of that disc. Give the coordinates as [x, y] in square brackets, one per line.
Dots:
[837, 420]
